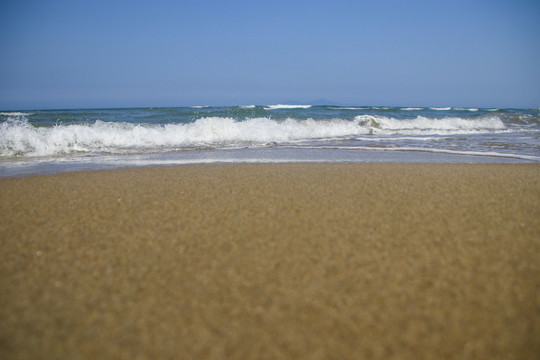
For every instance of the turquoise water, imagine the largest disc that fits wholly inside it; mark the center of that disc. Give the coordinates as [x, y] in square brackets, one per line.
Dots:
[45, 141]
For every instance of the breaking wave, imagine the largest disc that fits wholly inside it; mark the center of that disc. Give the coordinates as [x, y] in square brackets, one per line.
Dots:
[20, 138]
[281, 106]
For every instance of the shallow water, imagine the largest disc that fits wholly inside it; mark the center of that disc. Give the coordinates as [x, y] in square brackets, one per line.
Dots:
[52, 141]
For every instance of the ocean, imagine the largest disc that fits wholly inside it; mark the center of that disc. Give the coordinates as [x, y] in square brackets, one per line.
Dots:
[53, 141]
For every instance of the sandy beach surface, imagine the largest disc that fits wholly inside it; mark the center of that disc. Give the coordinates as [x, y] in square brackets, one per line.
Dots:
[263, 261]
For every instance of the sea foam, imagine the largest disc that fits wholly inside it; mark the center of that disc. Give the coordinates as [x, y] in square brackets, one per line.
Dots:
[425, 126]
[281, 106]
[20, 138]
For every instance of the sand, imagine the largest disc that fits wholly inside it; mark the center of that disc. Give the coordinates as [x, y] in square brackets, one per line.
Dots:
[291, 261]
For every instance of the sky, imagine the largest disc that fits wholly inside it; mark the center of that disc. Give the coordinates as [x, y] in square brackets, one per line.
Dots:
[134, 53]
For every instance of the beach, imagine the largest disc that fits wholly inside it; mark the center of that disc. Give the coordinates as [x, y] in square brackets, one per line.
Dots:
[273, 261]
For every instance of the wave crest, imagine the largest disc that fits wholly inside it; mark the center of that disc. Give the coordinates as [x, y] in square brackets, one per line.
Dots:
[423, 125]
[281, 106]
[18, 137]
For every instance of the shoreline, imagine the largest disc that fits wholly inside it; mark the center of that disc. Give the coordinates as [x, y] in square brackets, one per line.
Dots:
[273, 261]
[28, 169]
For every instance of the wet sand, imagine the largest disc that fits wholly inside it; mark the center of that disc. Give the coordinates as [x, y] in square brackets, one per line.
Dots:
[314, 261]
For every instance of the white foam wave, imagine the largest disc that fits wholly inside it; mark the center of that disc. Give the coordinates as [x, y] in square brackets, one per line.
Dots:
[15, 114]
[441, 108]
[466, 109]
[19, 137]
[429, 126]
[412, 108]
[248, 106]
[281, 106]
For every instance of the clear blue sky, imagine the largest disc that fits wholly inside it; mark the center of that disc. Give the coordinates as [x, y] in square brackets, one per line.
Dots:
[94, 53]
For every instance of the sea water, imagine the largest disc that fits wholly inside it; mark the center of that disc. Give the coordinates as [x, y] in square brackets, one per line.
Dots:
[50, 141]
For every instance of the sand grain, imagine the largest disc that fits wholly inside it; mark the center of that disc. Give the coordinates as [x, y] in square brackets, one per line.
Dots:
[288, 261]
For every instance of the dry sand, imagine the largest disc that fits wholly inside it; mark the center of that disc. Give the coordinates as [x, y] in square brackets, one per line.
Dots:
[325, 261]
